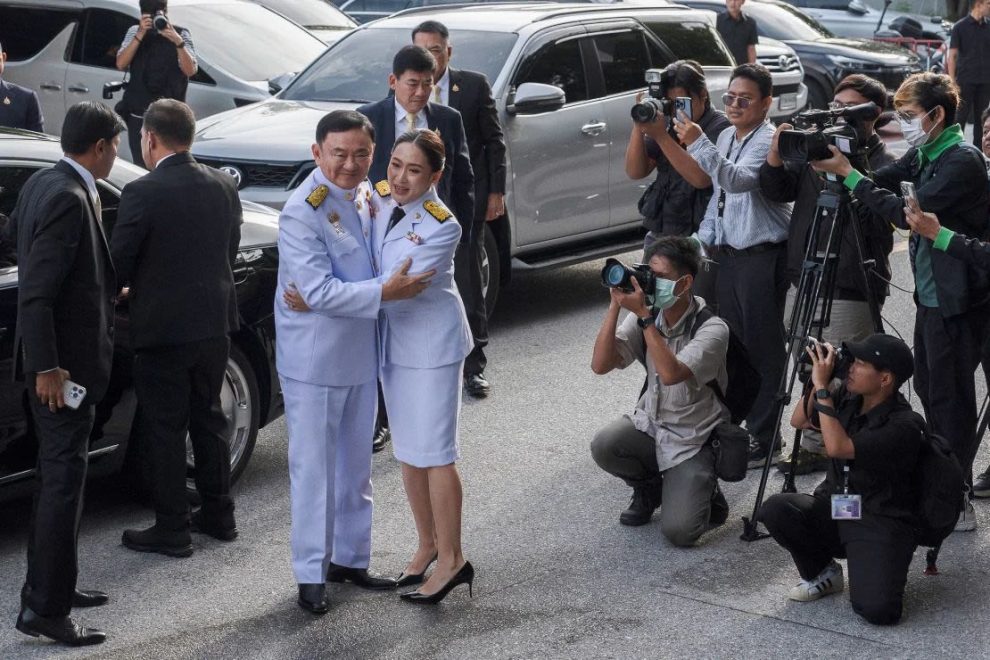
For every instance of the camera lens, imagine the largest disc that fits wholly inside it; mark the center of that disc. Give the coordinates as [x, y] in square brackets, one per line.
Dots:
[160, 22]
[615, 274]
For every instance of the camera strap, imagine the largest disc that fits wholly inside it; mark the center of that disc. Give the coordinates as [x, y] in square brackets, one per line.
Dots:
[728, 154]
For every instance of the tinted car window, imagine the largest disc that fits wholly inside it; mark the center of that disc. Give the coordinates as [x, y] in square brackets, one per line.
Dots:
[623, 59]
[247, 40]
[559, 64]
[12, 179]
[692, 41]
[785, 23]
[100, 38]
[356, 68]
[310, 13]
[24, 32]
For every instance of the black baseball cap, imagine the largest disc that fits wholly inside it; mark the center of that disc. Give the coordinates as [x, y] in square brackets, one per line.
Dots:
[886, 353]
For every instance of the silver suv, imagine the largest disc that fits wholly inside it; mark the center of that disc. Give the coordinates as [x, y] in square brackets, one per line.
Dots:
[66, 50]
[564, 77]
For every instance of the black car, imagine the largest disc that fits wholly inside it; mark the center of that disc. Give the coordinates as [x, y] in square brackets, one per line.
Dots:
[827, 59]
[251, 395]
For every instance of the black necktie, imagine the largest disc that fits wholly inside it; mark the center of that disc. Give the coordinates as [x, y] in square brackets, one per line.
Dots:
[397, 214]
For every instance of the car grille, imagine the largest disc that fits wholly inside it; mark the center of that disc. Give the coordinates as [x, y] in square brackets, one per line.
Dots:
[778, 90]
[781, 64]
[892, 78]
[264, 175]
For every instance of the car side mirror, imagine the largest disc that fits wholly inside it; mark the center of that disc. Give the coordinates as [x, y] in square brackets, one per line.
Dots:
[278, 83]
[534, 98]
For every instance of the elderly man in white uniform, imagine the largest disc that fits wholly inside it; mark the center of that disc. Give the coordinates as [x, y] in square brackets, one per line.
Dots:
[327, 359]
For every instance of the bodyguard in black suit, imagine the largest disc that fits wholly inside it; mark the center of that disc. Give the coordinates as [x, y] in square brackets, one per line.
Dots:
[65, 301]
[174, 244]
[470, 94]
[19, 106]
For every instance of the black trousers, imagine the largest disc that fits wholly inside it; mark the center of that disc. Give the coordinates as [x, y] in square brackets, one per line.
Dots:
[467, 276]
[879, 552]
[751, 290]
[975, 99]
[52, 560]
[178, 390]
[134, 125]
[946, 354]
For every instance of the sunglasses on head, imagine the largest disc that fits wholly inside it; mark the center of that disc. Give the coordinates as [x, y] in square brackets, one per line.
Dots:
[740, 102]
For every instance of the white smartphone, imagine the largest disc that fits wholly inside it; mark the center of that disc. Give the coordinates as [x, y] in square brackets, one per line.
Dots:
[682, 104]
[909, 194]
[73, 394]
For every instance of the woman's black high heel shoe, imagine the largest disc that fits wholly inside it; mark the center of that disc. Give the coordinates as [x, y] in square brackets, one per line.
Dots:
[409, 580]
[463, 576]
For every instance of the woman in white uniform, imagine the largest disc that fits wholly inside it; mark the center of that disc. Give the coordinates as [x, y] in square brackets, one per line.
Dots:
[424, 342]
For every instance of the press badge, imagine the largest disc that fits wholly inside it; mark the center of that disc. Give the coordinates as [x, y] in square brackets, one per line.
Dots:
[847, 507]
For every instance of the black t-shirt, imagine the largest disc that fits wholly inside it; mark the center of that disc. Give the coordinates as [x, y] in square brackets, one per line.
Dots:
[887, 442]
[737, 35]
[972, 38]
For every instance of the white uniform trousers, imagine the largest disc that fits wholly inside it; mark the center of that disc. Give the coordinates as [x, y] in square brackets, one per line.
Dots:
[330, 431]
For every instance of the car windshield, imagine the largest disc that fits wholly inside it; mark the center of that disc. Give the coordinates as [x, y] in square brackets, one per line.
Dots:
[312, 14]
[247, 40]
[785, 23]
[356, 68]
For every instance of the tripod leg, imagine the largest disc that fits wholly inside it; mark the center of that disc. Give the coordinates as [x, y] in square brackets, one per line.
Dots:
[789, 474]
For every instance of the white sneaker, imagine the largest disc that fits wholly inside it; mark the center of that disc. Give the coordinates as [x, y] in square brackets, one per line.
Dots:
[829, 581]
[967, 519]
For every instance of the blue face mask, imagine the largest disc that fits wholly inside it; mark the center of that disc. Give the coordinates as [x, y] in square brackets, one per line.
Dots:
[664, 296]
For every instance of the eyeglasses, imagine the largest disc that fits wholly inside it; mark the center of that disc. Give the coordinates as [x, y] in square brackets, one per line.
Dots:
[740, 102]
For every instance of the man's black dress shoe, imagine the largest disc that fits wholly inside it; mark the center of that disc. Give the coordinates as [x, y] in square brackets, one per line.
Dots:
[477, 385]
[382, 438]
[463, 576]
[155, 539]
[60, 628]
[222, 530]
[89, 598]
[313, 597]
[360, 577]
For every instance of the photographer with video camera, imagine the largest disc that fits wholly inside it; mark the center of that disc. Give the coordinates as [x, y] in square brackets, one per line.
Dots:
[662, 449]
[796, 181]
[159, 59]
[865, 510]
[675, 203]
[946, 176]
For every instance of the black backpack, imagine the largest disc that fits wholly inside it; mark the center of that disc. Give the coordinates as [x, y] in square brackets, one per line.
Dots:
[744, 379]
[939, 483]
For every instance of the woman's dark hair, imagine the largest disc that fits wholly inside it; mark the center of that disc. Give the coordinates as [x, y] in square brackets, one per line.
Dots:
[688, 75]
[681, 252]
[413, 58]
[930, 90]
[758, 73]
[86, 123]
[342, 121]
[868, 88]
[429, 143]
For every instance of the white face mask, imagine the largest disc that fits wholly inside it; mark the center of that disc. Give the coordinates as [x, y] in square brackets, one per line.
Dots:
[914, 134]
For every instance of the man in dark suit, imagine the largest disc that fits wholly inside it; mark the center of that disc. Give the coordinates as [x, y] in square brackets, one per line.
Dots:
[19, 106]
[65, 302]
[174, 244]
[470, 94]
[409, 107]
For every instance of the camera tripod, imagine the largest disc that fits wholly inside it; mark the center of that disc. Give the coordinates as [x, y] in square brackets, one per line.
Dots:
[812, 310]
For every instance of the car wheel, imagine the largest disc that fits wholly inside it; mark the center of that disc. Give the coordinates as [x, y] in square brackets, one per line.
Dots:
[240, 401]
[491, 269]
[818, 98]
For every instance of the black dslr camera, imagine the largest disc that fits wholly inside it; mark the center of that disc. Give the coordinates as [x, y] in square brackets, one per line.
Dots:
[159, 22]
[843, 360]
[817, 129]
[657, 104]
[616, 275]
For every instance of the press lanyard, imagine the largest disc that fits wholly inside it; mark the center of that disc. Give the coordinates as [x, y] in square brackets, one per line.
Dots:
[728, 154]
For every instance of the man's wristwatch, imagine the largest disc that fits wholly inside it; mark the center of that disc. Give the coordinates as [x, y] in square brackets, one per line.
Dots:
[823, 394]
[646, 321]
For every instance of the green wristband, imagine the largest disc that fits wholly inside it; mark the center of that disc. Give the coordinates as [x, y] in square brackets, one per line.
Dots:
[942, 238]
[852, 179]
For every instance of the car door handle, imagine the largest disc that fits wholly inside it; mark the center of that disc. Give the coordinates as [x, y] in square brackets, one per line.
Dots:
[52, 87]
[81, 89]
[594, 128]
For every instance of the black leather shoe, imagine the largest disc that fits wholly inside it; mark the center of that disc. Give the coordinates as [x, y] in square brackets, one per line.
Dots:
[359, 577]
[644, 502]
[89, 598]
[463, 576]
[719, 509]
[477, 385]
[163, 541]
[313, 597]
[410, 579]
[222, 530]
[60, 628]
[382, 438]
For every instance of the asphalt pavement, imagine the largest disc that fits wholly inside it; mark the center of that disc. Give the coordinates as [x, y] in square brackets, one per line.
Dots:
[557, 576]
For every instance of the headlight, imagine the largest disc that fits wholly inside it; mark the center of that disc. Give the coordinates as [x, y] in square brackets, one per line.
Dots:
[849, 64]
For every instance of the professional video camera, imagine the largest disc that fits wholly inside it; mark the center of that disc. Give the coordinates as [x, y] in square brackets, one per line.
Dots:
[658, 104]
[817, 129]
[616, 275]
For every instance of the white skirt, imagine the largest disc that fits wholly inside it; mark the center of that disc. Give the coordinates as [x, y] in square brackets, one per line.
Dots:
[423, 409]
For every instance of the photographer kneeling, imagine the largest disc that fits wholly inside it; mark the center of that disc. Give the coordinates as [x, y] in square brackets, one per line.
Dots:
[781, 181]
[662, 448]
[864, 510]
